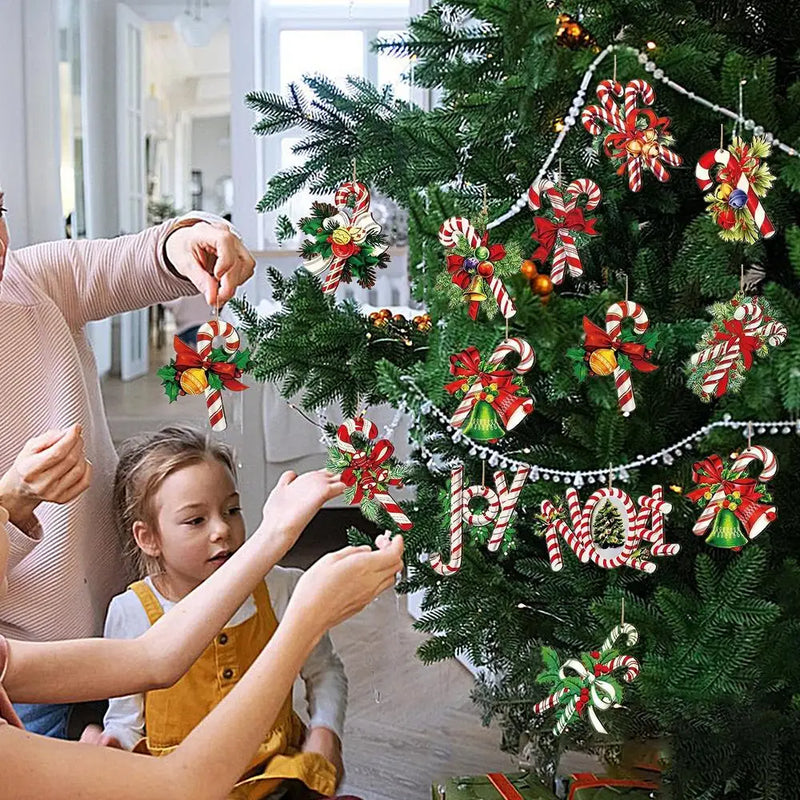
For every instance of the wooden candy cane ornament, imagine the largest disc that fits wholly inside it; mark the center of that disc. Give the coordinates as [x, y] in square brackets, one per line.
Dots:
[450, 233]
[205, 342]
[559, 236]
[366, 471]
[622, 377]
[738, 177]
[355, 224]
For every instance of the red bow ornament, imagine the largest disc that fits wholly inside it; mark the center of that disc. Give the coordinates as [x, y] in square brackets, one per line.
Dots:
[597, 339]
[186, 358]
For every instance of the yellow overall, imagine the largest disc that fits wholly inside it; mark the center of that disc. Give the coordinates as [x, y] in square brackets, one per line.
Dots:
[171, 714]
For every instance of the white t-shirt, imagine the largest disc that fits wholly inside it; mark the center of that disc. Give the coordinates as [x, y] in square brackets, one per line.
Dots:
[323, 672]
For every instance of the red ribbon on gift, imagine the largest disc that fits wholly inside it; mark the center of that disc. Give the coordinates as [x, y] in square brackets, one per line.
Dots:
[466, 365]
[462, 277]
[504, 786]
[186, 358]
[598, 339]
[547, 230]
[365, 471]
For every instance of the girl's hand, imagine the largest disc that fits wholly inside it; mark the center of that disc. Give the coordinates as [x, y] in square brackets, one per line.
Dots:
[340, 584]
[94, 734]
[293, 503]
[50, 468]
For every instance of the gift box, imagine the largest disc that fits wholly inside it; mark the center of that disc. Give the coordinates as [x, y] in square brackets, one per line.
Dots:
[588, 786]
[493, 786]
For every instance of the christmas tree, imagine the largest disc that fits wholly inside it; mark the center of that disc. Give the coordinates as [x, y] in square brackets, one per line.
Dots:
[719, 628]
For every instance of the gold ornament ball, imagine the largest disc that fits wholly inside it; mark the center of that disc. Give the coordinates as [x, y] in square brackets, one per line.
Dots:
[528, 269]
[194, 380]
[723, 191]
[341, 236]
[542, 285]
[602, 362]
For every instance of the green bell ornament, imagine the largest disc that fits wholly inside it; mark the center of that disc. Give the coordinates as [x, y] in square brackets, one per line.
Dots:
[727, 531]
[482, 424]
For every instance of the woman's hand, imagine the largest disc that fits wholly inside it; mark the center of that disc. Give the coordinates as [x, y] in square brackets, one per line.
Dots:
[212, 258]
[51, 468]
[340, 584]
[293, 503]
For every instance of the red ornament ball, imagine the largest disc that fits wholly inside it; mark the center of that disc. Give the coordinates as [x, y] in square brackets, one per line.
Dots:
[486, 269]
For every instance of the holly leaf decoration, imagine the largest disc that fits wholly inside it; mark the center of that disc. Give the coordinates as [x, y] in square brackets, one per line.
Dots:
[624, 362]
[581, 370]
[550, 659]
[242, 360]
[214, 381]
[172, 390]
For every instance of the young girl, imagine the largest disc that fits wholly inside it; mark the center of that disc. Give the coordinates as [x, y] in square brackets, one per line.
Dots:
[176, 501]
[208, 763]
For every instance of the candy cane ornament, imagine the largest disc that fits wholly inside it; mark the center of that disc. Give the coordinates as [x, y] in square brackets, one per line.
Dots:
[622, 377]
[735, 205]
[339, 240]
[369, 470]
[206, 334]
[506, 402]
[559, 236]
[742, 329]
[501, 503]
[636, 147]
[464, 272]
[581, 687]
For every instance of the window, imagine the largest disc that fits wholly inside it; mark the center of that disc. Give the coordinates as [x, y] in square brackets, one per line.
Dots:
[331, 38]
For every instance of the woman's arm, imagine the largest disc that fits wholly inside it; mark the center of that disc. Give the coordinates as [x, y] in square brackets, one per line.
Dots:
[212, 758]
[91, 669]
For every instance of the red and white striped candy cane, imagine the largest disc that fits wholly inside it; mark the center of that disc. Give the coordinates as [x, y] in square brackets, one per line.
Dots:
[454, 228]
[624, 505]
[344, 442]
[624, 629]
[550, 702]
[596, 118]
[504, 301]
[633, 91]
[757, 453]
[583, 186]
[551, 537]
[508, 501]
[456, 526]
[723, 158]
[527, 360]
[629, 664]
[205, 342]
[774, 333]
[622, 377]
[750, 454]
[546, 187]
[752, 311]
[655, 508]
[346, 191]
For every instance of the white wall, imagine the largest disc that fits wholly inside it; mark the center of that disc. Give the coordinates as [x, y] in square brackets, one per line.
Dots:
[211, 154]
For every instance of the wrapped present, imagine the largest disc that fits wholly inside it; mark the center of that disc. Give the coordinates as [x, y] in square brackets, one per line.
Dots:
[493, 786]
[588, 786]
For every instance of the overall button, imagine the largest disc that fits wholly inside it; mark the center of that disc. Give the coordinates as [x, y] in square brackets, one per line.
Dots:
[223, 638]
[227, 673]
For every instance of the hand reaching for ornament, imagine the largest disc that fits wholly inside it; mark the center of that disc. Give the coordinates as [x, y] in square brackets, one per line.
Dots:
[293, 503]
[50, 468]
[212, 258]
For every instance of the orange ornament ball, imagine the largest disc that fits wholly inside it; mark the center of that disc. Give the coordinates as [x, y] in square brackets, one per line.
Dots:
[602, 362]
[542, 285]
[528, 269]
[194, 380]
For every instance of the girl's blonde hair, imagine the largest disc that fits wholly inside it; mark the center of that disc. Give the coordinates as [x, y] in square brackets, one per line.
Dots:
[145, 461]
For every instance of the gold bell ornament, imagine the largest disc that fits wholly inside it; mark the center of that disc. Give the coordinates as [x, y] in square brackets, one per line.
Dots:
[474, 292]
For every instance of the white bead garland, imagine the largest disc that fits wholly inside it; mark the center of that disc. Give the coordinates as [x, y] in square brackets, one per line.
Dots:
[658, 73]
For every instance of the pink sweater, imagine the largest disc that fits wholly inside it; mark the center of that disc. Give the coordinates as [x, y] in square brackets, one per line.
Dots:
[60, 582]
